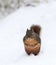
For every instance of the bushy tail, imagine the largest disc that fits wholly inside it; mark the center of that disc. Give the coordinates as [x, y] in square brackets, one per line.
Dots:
[36, 29]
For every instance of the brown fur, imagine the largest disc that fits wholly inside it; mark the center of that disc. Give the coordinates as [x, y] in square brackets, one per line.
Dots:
[32, 41]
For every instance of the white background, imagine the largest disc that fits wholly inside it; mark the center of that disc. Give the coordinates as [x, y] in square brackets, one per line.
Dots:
[13, 29]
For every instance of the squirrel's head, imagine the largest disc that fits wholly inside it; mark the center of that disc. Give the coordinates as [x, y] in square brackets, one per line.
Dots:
[29, 33]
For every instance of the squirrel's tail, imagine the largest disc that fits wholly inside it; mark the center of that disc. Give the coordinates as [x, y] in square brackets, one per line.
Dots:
[36, 29]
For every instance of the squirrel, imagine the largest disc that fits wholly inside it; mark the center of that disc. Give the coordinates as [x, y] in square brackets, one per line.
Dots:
[32, 41]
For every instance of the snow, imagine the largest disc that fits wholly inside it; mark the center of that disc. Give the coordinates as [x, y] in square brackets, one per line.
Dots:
[13, 29]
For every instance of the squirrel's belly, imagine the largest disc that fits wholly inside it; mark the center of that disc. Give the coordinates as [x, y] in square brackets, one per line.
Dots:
[30, 42]
[32, 46]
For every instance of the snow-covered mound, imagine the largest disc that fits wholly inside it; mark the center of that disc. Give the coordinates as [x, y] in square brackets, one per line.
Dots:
[13, 29]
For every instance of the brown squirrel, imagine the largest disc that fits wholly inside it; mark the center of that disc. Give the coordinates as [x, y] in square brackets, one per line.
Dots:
[32, 41]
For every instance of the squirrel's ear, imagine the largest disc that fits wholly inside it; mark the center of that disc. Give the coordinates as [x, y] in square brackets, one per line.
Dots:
[27, 30]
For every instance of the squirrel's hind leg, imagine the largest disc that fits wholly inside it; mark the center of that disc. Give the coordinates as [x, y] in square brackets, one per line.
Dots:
[36, 50]
[28, 50]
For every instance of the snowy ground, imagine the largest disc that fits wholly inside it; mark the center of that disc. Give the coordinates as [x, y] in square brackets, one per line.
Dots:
[13, 28]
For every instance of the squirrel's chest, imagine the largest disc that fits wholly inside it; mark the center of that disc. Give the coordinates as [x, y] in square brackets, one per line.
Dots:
[30, 42]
